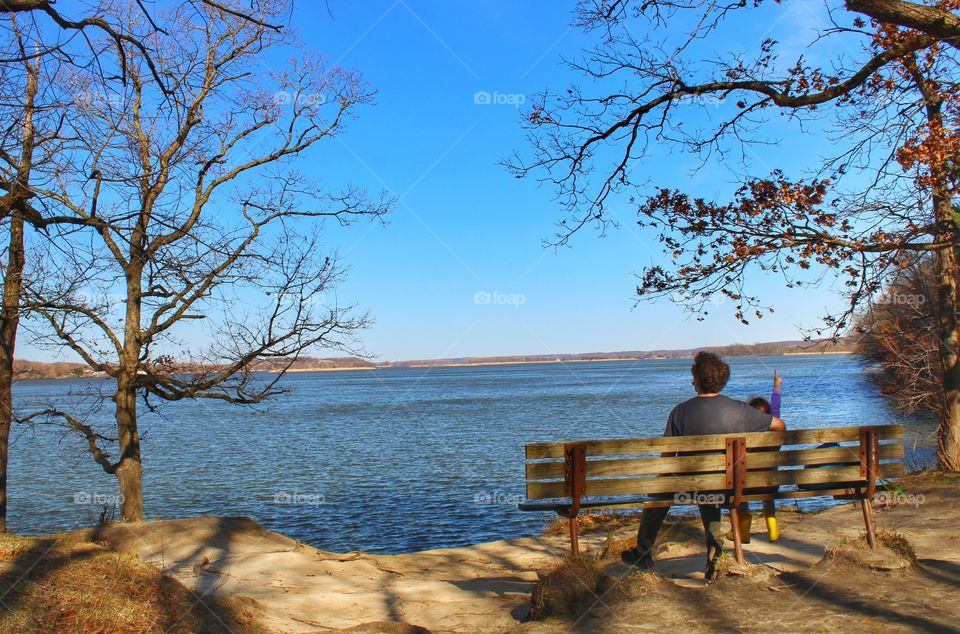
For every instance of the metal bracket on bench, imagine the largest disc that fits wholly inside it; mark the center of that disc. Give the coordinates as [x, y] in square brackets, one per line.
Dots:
[869, 458]
[869, 470]
[574, 486]
[736, 463]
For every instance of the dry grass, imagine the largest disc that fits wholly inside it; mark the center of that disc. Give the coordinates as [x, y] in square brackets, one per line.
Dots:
[563, 588]
[614, 546]
[893, 552]
[897, 543]
[52, 586]
[728, 568]
[888, 539]
[593, 522]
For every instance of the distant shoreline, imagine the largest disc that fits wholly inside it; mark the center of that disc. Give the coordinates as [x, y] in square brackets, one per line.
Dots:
[813, 354]
[543, 362]
[538, 362]
[371, 367]
[39, 370]
[464, 365]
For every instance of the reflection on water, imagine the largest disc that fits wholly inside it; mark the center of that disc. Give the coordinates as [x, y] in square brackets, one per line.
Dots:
[403, 459]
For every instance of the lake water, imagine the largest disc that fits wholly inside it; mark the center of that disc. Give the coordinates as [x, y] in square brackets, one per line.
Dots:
[398, 460]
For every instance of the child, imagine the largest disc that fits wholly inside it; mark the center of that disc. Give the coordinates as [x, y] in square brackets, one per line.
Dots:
[771, 407]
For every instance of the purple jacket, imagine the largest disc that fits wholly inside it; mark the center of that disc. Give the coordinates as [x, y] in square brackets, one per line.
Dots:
[775, 402]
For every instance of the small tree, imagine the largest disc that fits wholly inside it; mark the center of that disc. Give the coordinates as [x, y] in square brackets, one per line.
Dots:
[899, 333]
[895, 109]
[188, 194]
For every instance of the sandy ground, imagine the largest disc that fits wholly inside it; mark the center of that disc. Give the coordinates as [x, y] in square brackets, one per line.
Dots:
[486, 587]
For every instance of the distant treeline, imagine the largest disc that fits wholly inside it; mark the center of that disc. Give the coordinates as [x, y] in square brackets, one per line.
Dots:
[26, 370]
[734, 350]
[41, 370]
[314, 363]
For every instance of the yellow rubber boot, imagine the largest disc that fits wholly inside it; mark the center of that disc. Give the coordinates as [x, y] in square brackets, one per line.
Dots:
[772, 531]
[746, 519]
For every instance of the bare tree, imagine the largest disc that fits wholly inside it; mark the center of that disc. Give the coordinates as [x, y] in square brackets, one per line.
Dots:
[895, 117]
[43, 37]
[99, 18]
[189, 196]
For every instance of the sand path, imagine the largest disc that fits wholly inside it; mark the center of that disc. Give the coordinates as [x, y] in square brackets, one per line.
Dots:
[483, 587]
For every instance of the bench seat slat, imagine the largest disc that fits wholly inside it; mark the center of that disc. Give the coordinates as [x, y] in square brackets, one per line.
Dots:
[639, 502]
[840, 492]
[626, 501]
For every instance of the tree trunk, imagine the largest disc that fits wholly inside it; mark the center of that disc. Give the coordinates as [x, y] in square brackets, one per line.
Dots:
[9, 322]
[948, 277]
[13, 281]
[129, 470]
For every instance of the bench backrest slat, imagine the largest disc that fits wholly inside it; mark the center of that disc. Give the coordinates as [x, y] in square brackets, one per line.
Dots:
[710, 462]
[818, 475]
[713, 442]
[814, 457]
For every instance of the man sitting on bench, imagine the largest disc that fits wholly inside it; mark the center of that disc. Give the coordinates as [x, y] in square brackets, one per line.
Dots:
[708, 412]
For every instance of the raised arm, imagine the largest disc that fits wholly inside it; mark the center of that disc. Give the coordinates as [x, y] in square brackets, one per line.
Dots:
[775, 395]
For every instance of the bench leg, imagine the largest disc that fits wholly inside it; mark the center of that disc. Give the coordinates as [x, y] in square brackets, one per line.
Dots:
[866, 506]
[574, 541]
[737, 542]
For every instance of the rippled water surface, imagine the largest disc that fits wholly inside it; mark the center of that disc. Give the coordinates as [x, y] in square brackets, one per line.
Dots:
[398, 460]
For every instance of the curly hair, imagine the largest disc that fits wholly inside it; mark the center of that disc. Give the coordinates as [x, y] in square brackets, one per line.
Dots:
[710, 372]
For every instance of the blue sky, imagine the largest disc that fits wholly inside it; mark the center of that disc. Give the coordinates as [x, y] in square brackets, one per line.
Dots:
[465, 229]
[464, 225]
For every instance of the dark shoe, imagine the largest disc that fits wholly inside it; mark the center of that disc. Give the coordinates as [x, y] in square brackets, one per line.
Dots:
[710, 572]
[634, 558]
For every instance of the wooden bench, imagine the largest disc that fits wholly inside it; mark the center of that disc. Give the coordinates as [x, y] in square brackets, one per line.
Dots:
[567, 477]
